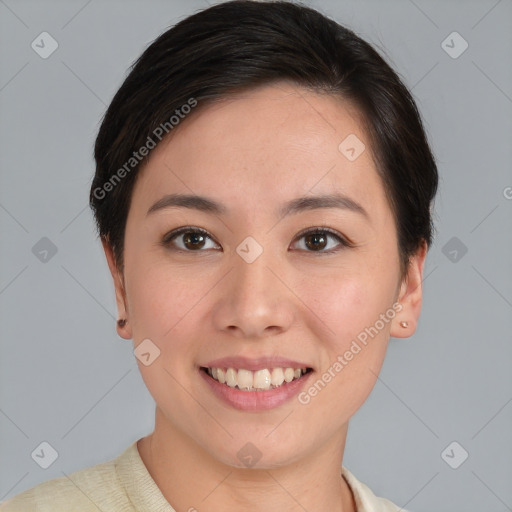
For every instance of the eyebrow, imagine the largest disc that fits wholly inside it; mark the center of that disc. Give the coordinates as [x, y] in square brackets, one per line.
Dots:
[323, 201]
[300, 204]
[188, 201]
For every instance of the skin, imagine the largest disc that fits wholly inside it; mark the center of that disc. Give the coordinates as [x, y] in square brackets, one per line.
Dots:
[252, 153]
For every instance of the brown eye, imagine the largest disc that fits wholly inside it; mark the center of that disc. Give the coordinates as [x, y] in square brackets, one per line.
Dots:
[315, 241]
[322, 241]
[190, 240]
[193, 240]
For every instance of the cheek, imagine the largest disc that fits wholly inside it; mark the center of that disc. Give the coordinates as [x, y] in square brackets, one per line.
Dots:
[357, 309]
[160, 296]
[162, 307]
[348, 301]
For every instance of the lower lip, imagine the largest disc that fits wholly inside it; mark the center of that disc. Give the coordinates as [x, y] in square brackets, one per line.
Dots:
[256, 400]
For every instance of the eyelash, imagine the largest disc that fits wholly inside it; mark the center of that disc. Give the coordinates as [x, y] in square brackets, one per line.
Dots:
[320, 230]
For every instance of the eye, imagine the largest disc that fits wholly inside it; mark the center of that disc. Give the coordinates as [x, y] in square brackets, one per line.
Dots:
[323, 240]
[193, 239]
[190, 239]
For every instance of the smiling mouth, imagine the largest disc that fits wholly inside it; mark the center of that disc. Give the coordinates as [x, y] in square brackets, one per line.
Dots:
[260, 380]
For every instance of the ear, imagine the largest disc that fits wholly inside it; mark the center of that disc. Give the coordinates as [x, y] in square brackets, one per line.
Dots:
[410, 296]
[125, 331]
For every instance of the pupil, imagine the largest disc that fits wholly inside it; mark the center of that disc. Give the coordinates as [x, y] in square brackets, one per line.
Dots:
[315, 241]
[196, 240]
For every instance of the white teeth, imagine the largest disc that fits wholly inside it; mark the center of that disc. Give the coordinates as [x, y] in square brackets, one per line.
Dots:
[263, 379]
[289, 374]
[231, 377]
[277, 377]
[245, 379]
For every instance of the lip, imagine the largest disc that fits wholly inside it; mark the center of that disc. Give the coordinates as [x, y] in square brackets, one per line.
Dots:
[255, 364]
[255, 400]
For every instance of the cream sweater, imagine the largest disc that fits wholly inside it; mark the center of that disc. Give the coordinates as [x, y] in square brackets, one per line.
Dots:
[125, 485]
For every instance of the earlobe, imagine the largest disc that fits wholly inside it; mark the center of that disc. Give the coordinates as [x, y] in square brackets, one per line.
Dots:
[410, 296]
[122, 326]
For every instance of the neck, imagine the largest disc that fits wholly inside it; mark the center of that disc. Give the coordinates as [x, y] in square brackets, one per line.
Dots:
[190, 478]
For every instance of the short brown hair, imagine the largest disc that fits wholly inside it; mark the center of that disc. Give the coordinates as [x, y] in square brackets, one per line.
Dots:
[242, 44]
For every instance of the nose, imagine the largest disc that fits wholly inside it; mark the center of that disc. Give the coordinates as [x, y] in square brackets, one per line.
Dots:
[252, 302]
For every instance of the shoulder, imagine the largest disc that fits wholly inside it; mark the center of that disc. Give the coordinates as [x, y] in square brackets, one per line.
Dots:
[365, 500]
[88, 490]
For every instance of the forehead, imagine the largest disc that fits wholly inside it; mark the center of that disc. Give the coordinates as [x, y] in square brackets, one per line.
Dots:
[266, 145]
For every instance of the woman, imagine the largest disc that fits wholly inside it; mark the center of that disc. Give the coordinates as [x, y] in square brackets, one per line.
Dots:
[263, 194]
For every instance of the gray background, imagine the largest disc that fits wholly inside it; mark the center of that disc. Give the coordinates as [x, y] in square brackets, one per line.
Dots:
[67, 379]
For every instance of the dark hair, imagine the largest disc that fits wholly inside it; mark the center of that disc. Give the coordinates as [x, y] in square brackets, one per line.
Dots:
[242, 44]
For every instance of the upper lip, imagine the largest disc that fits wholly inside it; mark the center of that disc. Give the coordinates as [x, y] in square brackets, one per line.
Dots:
[254, 364]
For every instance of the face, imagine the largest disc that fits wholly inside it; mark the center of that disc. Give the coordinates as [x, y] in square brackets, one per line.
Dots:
[286, 257]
